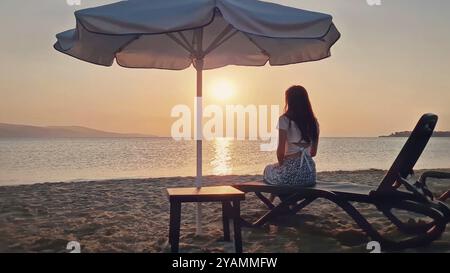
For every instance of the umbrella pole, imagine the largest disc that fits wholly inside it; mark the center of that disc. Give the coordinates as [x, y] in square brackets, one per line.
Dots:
[199, 137]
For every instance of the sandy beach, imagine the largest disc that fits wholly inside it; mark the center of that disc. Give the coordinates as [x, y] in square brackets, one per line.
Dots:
[132, 216]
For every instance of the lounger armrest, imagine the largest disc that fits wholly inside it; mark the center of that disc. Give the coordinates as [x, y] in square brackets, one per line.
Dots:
[437, 175]
[432, 174]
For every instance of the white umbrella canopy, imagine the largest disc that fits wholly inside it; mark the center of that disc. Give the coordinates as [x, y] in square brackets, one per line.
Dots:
[165, 34]
[208, 34]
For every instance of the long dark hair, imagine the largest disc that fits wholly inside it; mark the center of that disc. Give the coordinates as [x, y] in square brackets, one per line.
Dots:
[298, 109]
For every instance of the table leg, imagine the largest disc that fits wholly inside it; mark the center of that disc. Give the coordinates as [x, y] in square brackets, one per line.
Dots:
[174, 229]
[226, 221]
[237, 226]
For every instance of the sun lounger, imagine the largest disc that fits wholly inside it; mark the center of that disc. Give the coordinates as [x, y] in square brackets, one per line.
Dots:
[394, 192]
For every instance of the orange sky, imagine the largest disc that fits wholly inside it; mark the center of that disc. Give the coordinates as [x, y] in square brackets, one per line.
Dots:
[391, 65]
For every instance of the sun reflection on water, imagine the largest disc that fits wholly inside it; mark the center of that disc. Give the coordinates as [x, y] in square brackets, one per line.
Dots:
[221, 162]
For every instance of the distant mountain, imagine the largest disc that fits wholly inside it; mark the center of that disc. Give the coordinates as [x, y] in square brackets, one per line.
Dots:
[408, 133]
[27, 131]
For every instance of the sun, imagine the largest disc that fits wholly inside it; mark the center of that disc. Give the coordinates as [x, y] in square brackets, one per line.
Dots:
[223, 90]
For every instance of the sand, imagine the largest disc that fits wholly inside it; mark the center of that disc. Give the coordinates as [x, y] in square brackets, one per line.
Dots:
[132, 216]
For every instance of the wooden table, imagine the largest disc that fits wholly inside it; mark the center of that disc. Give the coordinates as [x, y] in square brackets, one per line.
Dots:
[227, 195]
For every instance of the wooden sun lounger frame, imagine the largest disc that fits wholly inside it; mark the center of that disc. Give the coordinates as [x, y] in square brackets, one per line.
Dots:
[394, 192]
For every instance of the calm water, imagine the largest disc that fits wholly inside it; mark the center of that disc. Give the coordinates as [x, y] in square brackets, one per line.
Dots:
[24, 161]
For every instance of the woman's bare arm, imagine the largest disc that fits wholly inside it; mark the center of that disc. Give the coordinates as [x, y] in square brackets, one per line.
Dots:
[315, 143]
[314, 147]
[282, 138]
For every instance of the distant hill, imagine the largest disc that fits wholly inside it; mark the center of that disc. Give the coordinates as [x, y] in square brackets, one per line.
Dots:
[408, 133]
[27, 131]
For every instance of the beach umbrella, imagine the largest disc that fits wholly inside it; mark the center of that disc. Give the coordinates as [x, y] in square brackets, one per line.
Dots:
[207, 34]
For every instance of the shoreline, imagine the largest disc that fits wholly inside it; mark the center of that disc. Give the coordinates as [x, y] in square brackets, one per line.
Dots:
[132, 215]
[258, 176]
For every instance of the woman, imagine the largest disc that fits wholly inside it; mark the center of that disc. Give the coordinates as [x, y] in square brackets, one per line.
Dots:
[298, 142]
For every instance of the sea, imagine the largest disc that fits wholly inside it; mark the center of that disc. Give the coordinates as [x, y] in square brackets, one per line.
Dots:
[28, 161]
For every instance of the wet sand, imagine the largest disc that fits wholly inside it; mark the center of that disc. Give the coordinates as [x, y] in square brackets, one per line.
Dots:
[133, 216]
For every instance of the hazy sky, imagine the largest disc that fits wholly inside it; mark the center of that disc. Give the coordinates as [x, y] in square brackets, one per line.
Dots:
[391, 65]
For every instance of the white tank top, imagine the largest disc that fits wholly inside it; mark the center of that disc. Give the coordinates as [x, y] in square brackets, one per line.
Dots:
[294, 135]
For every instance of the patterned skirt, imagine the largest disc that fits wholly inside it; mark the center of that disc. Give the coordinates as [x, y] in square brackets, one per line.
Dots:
[299, 171]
